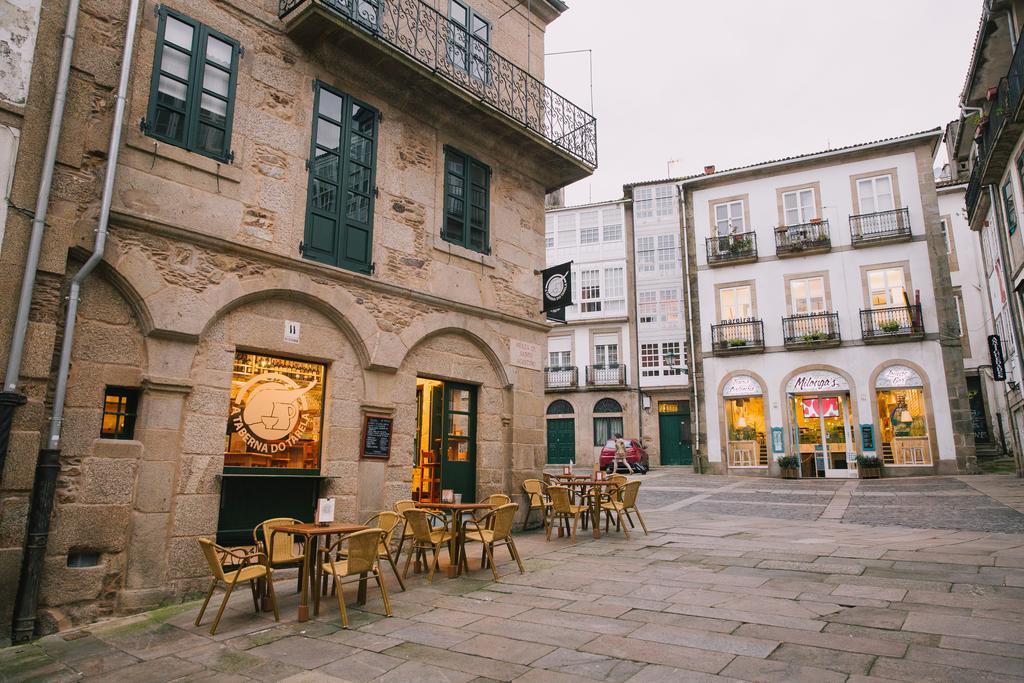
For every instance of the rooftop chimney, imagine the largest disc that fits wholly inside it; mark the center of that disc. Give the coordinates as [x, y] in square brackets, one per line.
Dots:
[708, 170]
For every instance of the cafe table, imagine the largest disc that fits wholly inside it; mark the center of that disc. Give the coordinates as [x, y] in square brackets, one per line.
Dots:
[312, 533]
[457, 510]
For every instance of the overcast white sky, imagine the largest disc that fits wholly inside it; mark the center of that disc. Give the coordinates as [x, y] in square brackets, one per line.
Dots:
[733, 82]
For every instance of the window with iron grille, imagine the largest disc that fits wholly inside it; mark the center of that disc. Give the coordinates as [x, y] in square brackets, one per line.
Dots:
[469, 46]
[192, 91]
[120, 406]
[467, 188]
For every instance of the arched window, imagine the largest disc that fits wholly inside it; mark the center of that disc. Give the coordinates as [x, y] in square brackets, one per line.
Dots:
[607, 405]
[560, 408]
[606, 427]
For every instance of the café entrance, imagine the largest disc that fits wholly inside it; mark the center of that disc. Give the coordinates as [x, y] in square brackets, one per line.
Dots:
[822, 419]
[445, 457]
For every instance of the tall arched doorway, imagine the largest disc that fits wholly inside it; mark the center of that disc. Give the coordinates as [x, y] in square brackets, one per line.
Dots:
[561, 429]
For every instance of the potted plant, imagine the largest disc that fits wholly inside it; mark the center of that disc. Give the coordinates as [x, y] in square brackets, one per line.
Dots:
[789, 466]
[738, 341]
[814, 336]
[739, 246]
[890, 326]
[869, 466]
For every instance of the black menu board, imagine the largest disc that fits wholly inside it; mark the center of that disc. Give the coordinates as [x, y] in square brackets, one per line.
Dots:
[377, 436]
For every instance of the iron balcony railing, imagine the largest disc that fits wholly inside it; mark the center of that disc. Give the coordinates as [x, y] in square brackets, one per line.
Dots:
[730, 248]
[811, 330]
[896, 323]
[610, 375]
[794, 239]
[422, 33]
[744, 335]
[561, 378]
[879, 226]
[1003, 109]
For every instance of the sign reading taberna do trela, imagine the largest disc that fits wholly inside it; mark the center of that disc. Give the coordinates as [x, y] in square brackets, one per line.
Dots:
[557, 284]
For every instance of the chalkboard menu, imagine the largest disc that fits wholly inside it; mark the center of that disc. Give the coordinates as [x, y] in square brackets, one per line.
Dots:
[867, 437]
[377, 436]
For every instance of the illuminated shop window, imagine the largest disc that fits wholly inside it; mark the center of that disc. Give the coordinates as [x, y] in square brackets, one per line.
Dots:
[901, 415]
[120, 405]
[746, 432]
[276, 413]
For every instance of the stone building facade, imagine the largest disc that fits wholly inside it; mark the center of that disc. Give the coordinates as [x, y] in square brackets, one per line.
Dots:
[212, 265]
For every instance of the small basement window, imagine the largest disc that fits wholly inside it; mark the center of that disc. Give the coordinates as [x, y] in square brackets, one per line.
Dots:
[83, 558]
[120, 406]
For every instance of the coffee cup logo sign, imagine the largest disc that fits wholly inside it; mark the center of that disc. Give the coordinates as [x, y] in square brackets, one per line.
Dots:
[270, 412]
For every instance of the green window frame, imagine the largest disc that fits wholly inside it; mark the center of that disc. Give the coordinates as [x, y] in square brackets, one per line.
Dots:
[1010, 206]
[342, 181]
[192, 90]
[466, 214]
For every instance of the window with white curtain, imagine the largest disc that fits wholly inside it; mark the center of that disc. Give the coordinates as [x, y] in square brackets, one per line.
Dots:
[729, 218]
[735, 302]
[799, 206]
[875, 194]
[886, 288]
[807, 294]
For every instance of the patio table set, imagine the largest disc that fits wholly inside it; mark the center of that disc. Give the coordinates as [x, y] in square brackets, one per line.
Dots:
[582, 498]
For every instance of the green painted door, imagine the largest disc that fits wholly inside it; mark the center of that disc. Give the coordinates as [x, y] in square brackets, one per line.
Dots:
[458, 463]
[674, 435]
[561, 441]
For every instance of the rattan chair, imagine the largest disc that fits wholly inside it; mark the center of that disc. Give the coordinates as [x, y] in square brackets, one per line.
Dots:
[621, 504]
[250, 569]
[496, 500]
[425, 537]
[400, 507]
[561, 508]
[352, 555]
[280, 547]
[389, 522]
[491, 530]
[534, 489]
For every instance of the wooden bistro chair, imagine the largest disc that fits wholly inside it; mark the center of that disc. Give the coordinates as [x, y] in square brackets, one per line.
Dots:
[357, 558]
[491, 530]
[279, 548]
[250, 570]
[534, 489]
[389, 522]
[400, 507]
[621, 504]
[425, 537]
[562, 509]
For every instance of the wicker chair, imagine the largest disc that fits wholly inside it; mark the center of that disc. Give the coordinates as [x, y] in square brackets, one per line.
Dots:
[425, 537]
[496, 500]
[621, 504]
[352, 555]
[250, 569]
[389, 522]
[493, 529]
[534, 489]
[561, 508]
[279, 547]
[400, 507]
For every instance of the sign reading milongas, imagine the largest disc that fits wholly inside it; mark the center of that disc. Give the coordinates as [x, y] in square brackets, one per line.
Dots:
[275, 413]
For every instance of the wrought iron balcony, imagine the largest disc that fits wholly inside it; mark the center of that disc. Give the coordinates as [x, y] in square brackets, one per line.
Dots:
[733, 337]
[803, 238]
[611, 375]
[993, 145]
[899, 323]
[449, 50]
[880, 227]
[737, 248]
[561, 377]
[811, 330]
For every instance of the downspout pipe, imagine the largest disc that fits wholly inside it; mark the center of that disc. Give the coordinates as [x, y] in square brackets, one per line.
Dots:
[10, 398]
[692, 356]
[48, 465]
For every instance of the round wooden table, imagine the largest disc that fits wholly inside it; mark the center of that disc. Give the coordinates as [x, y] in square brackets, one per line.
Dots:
[312, 532]
[595, 504]
[457, 510]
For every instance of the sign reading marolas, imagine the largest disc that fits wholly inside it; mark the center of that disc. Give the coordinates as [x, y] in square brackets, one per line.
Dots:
[275, 413]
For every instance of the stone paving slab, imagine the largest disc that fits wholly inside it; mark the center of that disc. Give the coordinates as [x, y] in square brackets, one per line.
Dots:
[739, 579]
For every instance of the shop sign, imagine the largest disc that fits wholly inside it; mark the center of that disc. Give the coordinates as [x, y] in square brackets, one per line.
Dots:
[742, 385]
[995, 354]
[525, 355]
[817, 380]
[898, 376]
[556, 282]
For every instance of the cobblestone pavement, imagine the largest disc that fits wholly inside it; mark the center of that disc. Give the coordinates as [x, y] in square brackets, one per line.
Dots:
[725, 587]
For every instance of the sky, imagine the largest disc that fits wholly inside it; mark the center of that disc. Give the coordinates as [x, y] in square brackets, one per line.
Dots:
[732, 82]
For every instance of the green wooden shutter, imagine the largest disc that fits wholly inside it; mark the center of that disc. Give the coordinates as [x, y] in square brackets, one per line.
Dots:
[467, 189]
[342, 182]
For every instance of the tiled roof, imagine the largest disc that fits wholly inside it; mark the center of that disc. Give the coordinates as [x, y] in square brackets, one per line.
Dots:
[784, 159]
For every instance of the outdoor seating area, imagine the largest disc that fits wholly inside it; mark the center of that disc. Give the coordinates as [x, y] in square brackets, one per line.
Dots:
[582, 499]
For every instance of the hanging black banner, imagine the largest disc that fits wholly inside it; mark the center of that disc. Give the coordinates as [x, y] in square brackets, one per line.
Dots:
[995, 354]
[557, 315]
[557, 284]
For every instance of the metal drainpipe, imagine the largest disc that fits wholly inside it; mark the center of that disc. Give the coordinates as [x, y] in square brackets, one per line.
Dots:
[10, 399]
[1004, 254]
[48, 466]
[692, 356]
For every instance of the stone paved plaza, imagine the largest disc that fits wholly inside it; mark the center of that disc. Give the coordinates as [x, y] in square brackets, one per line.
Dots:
[739, 579]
